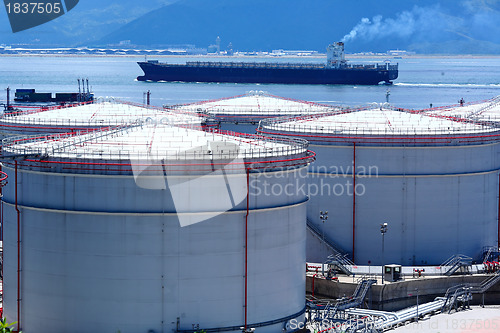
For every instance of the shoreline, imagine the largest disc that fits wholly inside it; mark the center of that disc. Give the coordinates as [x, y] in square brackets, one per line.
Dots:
[211, 56]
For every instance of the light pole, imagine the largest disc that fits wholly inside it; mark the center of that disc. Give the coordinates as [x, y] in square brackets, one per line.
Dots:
[383, 230]
[323, 216]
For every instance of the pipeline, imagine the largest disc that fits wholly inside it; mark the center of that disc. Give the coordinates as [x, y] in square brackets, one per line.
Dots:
[8, 98]
[246, 247]
[2, 183]
[353, 200]
[18, 254]
[312, 284]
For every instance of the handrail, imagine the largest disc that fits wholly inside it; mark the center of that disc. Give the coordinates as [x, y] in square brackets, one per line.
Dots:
[380, 321]
[457, 259]
[348, 302]
[455, 292]
[489, 251]
[341, 261]
[494, 102]
[376, 67]
[275, 147]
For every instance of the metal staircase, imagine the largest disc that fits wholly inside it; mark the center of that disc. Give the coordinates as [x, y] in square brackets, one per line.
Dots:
[456, 262]
[463, 292]
[494, 102]
[338, 259]
[340, 262]
[356, 300]
[364, 284]
[490, 252]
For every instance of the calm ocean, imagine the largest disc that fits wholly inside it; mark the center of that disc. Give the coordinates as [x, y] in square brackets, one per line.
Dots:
[436, 80]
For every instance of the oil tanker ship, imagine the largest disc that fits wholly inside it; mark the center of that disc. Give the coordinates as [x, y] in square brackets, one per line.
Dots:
[335, 71]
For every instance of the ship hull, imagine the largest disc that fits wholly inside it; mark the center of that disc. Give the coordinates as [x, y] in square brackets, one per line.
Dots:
[262, 74]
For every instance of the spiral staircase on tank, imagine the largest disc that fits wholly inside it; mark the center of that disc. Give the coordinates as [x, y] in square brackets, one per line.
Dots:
[338, 259]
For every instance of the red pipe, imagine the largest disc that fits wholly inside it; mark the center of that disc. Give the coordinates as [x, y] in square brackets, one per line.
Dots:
[18, 256]
[309, 156]
[353, 200]
[246, 247]
[4, 177]
[335, 327]
[373, 139]
[312, 287]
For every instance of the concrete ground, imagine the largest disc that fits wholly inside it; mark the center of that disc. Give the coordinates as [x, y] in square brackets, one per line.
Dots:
[475, 320]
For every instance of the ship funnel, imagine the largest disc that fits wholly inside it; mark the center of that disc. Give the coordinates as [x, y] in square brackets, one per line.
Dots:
[335, 56]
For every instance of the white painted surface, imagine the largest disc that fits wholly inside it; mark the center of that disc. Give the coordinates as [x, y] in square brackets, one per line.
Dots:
[255, 104]
[89, 116]
[433, 180]
[100, 251]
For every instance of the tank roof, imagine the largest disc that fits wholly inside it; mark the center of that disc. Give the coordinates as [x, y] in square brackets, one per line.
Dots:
[488, 110]
[380, 121]
[98, 114]
[375, 124]
[156, 143]
[255, 104]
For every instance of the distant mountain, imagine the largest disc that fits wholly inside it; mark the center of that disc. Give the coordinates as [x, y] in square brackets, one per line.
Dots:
[253, 24]
[425, 26]
[88, 21]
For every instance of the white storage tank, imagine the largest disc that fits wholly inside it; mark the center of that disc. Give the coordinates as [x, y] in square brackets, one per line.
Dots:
[154, 229]
[101, 114]
[433, 180]
[242, 113]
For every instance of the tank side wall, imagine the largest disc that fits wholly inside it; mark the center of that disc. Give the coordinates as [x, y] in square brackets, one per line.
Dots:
[437, 201]
[137, 271]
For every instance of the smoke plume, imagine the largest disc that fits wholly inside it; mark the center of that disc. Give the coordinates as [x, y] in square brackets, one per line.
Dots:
[407, 24]
[471, 19]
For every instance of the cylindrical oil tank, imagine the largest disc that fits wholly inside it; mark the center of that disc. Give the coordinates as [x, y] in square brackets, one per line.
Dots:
[242, 113]
[89, 116]
[154, 229]
[433, 180]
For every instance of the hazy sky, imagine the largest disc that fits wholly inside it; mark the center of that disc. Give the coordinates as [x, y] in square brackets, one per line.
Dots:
[363, 24]
[88, 19]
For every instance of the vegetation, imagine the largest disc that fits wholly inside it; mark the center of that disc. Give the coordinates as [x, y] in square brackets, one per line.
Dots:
[7, 328]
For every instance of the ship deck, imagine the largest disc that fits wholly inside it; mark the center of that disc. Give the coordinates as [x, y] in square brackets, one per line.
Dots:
[224, 64]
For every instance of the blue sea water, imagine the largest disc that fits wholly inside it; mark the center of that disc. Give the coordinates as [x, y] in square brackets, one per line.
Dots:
[436, 80]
